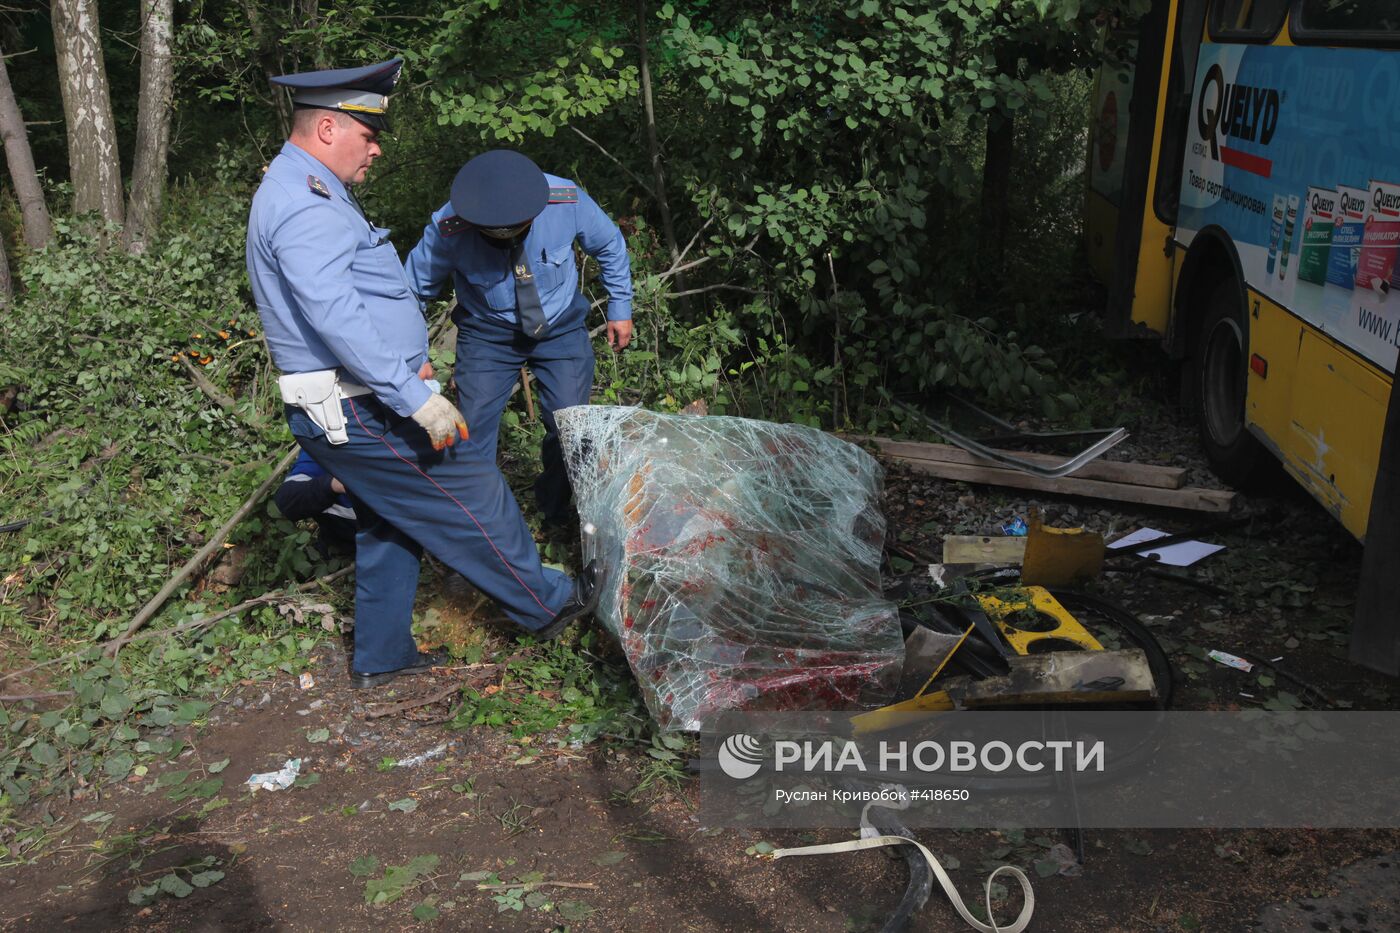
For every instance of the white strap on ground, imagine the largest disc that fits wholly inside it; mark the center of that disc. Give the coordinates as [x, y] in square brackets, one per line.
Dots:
[856, 845]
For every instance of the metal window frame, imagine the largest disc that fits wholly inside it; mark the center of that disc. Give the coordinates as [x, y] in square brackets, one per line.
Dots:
[1299, 32]
[1256, 37]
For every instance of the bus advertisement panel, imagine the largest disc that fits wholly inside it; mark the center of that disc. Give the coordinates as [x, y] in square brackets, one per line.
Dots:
[1295, 154]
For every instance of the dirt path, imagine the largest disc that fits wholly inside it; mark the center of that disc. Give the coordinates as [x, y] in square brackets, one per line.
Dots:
[289, 859]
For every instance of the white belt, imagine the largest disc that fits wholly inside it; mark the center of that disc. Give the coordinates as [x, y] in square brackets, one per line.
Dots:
[318, 394]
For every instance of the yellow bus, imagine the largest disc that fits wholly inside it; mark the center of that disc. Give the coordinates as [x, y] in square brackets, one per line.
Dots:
[1243, 209]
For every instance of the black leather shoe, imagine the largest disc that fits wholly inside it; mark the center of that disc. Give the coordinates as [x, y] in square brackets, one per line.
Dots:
[588, 585]
[427, 660]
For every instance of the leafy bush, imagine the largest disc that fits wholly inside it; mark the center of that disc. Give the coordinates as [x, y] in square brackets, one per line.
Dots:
[124, 467]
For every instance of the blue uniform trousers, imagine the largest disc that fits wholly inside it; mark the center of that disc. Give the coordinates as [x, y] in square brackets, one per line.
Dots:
[407, 496]
[489, 357]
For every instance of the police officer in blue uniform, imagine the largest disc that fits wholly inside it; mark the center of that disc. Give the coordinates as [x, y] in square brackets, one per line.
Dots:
[347, 332]
[506, 240]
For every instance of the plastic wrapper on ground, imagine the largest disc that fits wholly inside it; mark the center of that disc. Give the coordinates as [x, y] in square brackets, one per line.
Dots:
[742, 561]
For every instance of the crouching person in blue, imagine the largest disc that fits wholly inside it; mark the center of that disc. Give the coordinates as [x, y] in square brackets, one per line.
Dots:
[506, 240]
[345, 329]
[311, 492]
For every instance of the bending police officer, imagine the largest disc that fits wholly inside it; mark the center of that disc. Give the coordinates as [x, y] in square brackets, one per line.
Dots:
[506, 240]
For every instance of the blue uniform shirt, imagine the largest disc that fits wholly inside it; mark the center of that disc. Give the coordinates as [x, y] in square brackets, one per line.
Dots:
[330, 290]
[481, 273]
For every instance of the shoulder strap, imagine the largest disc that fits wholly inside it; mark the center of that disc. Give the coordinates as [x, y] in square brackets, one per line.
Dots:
[452, 225]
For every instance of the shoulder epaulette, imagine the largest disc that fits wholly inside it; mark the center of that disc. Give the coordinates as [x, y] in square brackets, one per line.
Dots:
[318, 186]
[449, 226]
[563, 195]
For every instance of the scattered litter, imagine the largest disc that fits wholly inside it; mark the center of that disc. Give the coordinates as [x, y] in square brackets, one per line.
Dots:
[1230, 660]
[1175, 555]
[1017, 526]
[306, 680]
[1248, 696]
[316, 704]
[1276, 660]
[417, 760]
[276, 780]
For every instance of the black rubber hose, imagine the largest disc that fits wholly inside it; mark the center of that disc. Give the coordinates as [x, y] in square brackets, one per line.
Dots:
[920, 886]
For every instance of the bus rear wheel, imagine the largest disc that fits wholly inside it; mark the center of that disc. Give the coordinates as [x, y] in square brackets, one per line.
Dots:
[1221, 358]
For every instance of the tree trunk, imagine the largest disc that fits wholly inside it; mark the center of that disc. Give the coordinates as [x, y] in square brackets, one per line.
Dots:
[7, 289]
[268, 58]
[308, 16]
[152, 124]
[668, 228]
[87, 110]
[996, 199]
[35, 212]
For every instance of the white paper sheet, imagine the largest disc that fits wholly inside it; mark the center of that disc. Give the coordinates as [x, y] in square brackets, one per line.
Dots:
[1176, 555]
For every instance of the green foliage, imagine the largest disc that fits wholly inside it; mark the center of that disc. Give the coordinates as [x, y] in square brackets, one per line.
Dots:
[847, 129]
[399, 880]
[506, 73]
[553, 685]
[125, 467]
[180, 883]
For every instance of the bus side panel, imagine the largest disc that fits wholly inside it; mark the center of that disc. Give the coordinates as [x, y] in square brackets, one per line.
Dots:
[1152, 294]
[1324, 422]
[1274, 335]
[1152, 301]
[1334, 441]
[1281, 138]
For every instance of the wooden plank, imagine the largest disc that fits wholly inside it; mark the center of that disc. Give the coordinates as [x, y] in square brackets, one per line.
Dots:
[1375, 629]
[983, 549]
[1112, 471]
[1192, 498]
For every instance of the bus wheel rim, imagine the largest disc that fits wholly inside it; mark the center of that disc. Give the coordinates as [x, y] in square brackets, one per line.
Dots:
[1224, 382]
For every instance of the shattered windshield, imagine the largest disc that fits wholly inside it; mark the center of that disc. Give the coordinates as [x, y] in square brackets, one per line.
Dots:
[742, 561]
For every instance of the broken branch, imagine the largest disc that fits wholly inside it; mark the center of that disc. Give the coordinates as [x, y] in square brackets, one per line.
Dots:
[17, 697]
[437, 697]
[612, 158]
[194, 563]
[529, 886]
[711, 288]
[209, 389]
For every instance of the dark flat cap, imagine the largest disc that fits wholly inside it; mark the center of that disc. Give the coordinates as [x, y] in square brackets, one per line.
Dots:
[500, 188]
[362, 92]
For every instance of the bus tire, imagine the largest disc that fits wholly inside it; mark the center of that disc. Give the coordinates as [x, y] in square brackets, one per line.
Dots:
[1220, 359]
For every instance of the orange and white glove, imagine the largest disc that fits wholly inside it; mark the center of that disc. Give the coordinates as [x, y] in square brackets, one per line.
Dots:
[443, 422]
